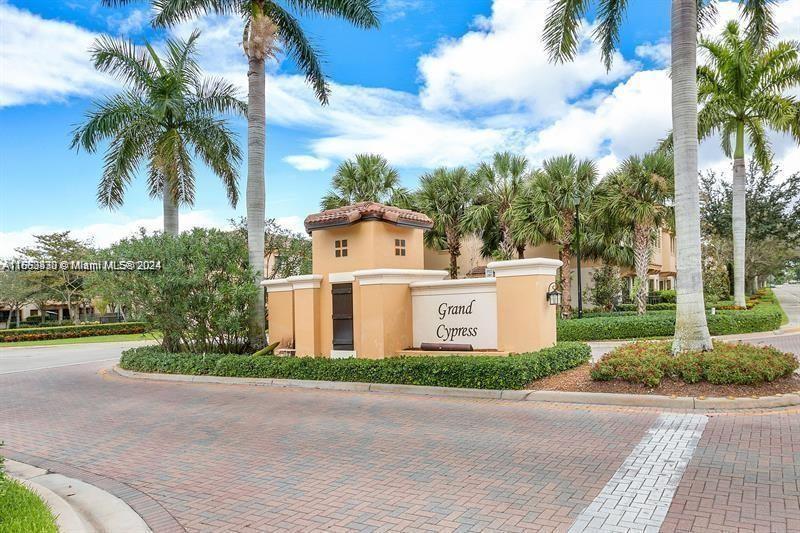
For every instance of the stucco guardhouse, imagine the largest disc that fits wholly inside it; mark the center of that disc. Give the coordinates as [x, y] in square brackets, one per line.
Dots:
[370, 296]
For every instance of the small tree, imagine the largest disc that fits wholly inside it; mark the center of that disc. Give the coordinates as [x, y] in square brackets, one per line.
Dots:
[608, 286]
[367, 178]
[64, 283]
[15, 291]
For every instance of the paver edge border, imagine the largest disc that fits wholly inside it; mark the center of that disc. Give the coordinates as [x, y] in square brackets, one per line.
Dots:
[154, 514]
[587, 398]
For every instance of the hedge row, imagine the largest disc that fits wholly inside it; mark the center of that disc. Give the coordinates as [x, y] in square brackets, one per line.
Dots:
[467, 371]
[71, 332]
[765, 316]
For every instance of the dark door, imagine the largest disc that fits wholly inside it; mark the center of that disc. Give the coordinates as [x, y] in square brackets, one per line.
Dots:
[342, 316]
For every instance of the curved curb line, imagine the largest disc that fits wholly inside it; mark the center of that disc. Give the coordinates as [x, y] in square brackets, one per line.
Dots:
[589, 398]
[78, 506]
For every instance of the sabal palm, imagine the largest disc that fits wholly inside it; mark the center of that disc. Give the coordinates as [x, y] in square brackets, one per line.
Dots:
[367, 178]
[561, 39]
[269, 26]
[165, 118]
[544, 211]
[499, 183]
[637, 196]
[742, 91]
[445, 195]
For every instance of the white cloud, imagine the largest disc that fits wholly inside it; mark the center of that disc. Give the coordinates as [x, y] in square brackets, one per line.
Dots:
[104, 234]
[306, 163]
[503, 63]
[294, 223]
[660, 53]
[43, 60]
[131, 24]
[398, 9]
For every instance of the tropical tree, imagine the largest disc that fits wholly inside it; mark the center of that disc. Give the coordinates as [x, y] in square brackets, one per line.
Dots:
[742, 91]
[367, 178]
[561, 40]
[445, 195]
[15, 291]
[269, 26]
[637, 195]
[167, 113]
[499, 183]
[544, 210]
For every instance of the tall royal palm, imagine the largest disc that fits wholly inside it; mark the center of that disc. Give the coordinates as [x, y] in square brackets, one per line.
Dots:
[367, 178]
[270, 25]
[445, 195]
[637, 196]
[742, 91]
[500, 181]
[167, 113]
[544, 211]
[561, 39]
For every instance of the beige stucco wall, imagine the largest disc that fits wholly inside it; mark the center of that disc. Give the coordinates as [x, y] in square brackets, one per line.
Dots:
[281, 317]
[525, 320]
[386, 327]
[307, 322]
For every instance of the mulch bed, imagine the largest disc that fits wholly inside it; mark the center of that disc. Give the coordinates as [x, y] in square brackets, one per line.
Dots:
[579, 380]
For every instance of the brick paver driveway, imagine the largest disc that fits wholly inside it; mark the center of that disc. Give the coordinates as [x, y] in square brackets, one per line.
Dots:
[220, 457]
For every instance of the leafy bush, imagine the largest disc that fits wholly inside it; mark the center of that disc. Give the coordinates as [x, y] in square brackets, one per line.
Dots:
[71, 332]
[650, 362]
[608, 285]
[667, 296]
[764, 316]
[468, 371]
[201, 296]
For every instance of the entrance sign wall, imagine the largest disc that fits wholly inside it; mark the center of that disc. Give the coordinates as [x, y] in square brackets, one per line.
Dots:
[369, 292]
[456, 311]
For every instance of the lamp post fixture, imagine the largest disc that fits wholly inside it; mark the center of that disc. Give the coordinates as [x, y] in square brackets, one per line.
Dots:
[576, 200]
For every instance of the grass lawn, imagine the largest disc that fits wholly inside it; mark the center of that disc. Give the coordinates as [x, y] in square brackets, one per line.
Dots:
[22, 511]
[85, 340]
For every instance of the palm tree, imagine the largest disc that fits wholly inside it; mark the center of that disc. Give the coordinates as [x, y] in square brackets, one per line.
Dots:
[742, 91]
[561, 40]
[636, 195]
[445, 195]
[368, 178]
[166, 114]
[269, 26]
[500, 182]
[544, 211]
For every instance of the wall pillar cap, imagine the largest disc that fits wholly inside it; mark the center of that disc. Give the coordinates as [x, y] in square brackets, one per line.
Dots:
[307, 281]
[525, 267]
[277, 285]
[396, 276]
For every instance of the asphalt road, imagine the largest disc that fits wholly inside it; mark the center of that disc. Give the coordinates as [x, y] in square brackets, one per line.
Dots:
[24, 358]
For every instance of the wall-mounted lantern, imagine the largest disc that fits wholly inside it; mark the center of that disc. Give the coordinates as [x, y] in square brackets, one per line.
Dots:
[553, 296]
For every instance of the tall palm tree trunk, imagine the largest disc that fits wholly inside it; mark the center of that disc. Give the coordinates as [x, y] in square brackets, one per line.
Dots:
[691, 329]
[507, 247]
[641, 259]
[565, 255]
[739, 215]
[256, 152]
[170, 213]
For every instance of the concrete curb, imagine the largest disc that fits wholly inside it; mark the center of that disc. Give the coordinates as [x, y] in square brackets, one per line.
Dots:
[78, 506]
[589, 398]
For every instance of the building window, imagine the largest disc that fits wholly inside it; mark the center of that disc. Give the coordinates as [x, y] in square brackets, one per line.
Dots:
[399, 247]
[341, 248]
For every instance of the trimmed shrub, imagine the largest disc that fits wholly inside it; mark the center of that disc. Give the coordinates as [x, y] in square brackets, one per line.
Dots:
[467, 371]
[764, 316]
[71, 332]
[667, 296]
[728, 364]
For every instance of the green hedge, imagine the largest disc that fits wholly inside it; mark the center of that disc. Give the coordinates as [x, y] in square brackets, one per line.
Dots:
[70, 332]
[765, 316]
[467, 371]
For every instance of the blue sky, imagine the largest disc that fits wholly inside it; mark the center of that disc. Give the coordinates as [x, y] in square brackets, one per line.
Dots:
[441, 83]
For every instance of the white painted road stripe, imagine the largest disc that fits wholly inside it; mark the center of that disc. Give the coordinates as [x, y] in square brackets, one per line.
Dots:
[640, 492]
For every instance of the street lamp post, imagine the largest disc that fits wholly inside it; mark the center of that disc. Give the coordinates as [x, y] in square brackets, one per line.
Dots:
[577, 201]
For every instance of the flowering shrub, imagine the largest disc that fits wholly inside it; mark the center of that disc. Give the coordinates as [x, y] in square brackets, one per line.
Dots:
[737, 364]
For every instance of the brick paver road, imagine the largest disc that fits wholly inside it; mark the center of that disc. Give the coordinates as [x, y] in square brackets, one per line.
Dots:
[239, 458]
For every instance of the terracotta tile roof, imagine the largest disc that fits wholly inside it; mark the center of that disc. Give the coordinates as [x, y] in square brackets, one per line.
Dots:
[343, 216]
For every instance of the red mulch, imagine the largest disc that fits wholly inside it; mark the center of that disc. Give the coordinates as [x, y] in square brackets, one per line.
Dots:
[578, 380]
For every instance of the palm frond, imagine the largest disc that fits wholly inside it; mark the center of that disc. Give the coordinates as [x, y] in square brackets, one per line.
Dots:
[123, 60]
[561, 28]
[171, 12]
[611, 14]
[761, 26]
[360, 13]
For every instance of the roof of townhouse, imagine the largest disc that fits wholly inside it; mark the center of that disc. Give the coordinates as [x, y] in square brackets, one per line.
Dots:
[351, 214]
